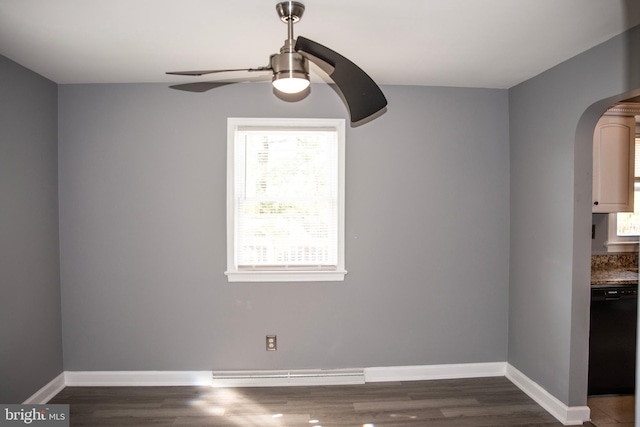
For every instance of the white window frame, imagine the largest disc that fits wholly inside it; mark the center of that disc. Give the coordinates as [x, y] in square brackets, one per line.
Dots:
[284, 274]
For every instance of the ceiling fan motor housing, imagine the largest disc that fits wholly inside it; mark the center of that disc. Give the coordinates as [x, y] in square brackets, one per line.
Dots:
[289, 63]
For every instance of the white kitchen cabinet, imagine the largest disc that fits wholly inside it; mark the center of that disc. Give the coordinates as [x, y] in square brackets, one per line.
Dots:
[613, 163]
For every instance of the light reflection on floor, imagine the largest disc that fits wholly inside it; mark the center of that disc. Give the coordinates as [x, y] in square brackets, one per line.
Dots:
[240, 410]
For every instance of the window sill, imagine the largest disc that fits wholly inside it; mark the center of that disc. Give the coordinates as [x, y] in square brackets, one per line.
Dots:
[286, 276]
[613, 246]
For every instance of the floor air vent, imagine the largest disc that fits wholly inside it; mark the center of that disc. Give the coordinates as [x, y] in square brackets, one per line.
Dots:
[287, 378]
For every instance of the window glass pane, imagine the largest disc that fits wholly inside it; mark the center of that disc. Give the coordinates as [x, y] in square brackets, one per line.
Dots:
[286, 206]
[628, 224]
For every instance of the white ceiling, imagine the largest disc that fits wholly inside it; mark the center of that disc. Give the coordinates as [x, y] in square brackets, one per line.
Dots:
[467, 43]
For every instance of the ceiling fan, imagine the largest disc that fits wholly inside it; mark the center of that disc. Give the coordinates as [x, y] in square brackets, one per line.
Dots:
[290, 70]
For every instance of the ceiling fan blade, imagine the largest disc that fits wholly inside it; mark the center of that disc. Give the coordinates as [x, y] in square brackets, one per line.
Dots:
[199, 86]
[205, 86]
[203, 72]
[362, 95]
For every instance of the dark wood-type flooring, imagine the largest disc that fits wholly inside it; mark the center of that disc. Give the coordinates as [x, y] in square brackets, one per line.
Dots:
[612, 411]
[455, 403]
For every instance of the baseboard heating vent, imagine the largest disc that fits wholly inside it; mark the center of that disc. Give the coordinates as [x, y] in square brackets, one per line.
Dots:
[287, 378]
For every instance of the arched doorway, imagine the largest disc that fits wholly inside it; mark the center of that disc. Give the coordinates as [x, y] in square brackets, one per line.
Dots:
[613, 317]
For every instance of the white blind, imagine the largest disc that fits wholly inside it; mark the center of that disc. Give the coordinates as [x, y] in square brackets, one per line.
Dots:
[286, 198]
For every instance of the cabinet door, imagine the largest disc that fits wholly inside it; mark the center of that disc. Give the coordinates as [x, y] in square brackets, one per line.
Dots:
[613, 163]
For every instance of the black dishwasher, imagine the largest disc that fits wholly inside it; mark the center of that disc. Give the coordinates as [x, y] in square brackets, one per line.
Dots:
[612, 339]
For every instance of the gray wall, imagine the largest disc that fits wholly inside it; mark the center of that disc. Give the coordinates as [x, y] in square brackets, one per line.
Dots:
[142, 229]
[30, 321]
[552, 118]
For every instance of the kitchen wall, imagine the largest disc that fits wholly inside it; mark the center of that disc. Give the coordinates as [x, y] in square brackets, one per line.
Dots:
[142, 230]
[30, 321]
[552, 118]
[601, 222]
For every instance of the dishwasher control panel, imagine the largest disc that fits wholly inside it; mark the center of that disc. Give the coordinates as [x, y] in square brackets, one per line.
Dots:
[614, 293]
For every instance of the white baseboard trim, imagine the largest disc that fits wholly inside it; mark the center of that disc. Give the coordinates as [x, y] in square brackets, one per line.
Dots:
[47, 392]
[435, 372]
[137, 378]
[569, 416]
[196, 378]
[566, 415]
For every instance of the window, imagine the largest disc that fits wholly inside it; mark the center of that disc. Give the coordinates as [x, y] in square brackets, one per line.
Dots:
[624, 227]
[285, 200]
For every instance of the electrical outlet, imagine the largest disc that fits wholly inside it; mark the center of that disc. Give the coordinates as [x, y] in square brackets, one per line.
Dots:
[272, 343]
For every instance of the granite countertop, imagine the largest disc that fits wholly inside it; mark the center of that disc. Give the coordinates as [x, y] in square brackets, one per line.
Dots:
[614, 276]
[614, 269]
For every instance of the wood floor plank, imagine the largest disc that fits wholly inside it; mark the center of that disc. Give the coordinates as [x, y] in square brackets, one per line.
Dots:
[401, 405]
